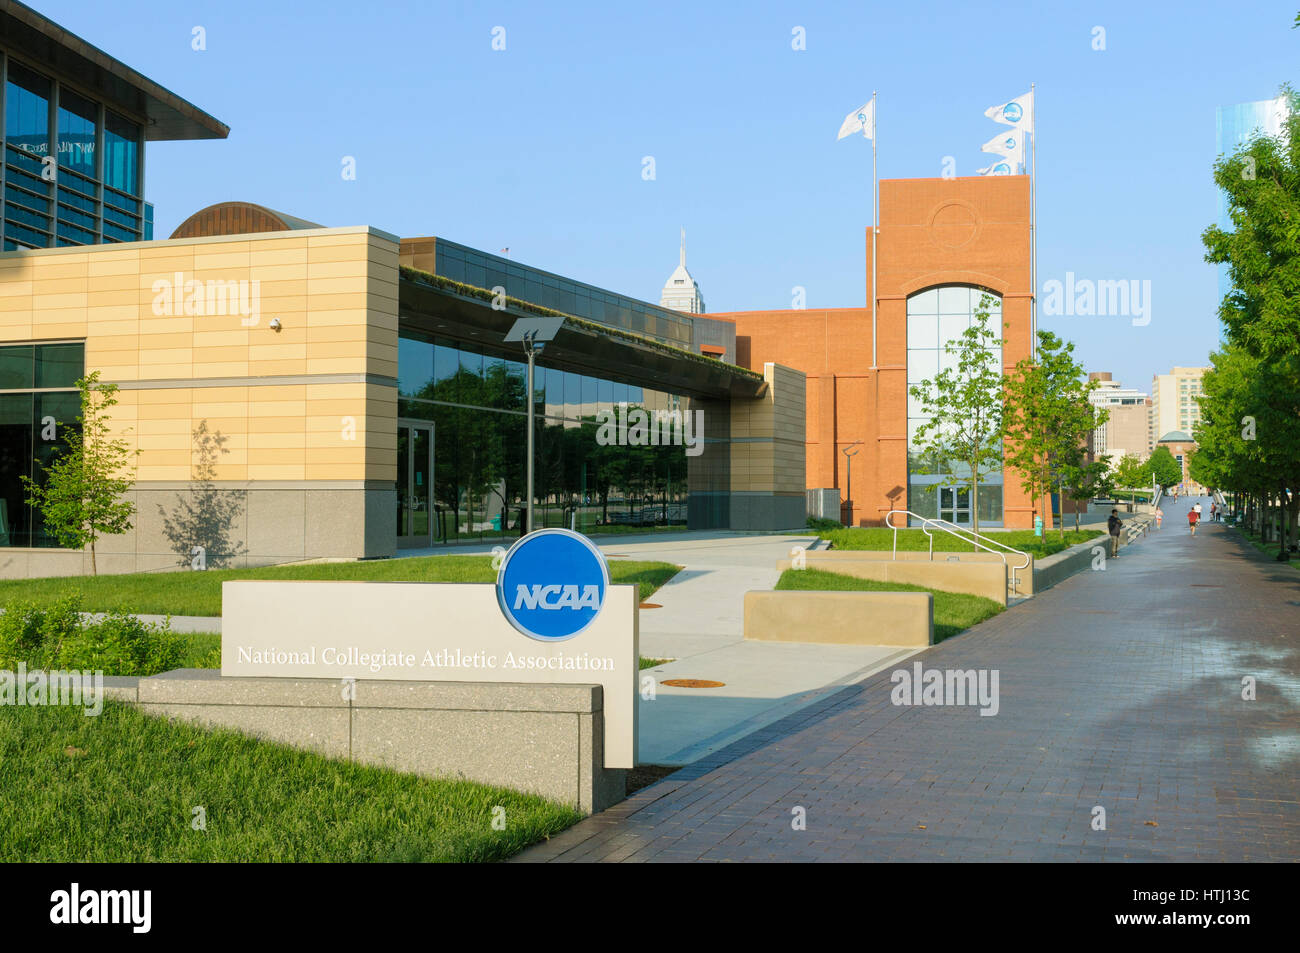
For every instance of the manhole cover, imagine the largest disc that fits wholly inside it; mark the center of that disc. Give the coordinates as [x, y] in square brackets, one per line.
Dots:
[692, 683]
[1204, 585]
[651, 605]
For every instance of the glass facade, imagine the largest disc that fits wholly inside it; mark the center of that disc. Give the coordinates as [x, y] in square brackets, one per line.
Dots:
[38, 400]
[937, 317]
[92, 193]
[476, 402]
[473, 267]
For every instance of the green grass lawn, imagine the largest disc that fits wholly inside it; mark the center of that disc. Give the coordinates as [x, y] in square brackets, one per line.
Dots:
[199, 593]
[882, 538]
[123, 786]
[953, 611]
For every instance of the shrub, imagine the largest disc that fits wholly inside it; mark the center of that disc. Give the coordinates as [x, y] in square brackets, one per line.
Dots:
[35, 634]
[821, 524]
[121, 644]
[57, 636]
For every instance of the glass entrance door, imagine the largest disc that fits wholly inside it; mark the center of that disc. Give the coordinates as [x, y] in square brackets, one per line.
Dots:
[415, 522]
[954, 504]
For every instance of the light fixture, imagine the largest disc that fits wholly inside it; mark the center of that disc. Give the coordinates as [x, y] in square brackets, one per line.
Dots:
[275, 324]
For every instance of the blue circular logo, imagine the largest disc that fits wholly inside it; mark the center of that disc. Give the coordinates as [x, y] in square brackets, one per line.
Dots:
[1010, 142]
[552, 584]
[1012, 112]
[1001, 168]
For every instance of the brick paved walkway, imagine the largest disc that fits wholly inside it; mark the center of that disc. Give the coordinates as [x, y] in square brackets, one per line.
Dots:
[1119, 689]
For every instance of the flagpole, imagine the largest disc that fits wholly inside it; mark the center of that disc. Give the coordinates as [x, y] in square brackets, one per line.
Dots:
[1033, 225]
[875, 228]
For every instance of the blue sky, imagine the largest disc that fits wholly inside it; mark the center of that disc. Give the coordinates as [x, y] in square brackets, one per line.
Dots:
[539, 147]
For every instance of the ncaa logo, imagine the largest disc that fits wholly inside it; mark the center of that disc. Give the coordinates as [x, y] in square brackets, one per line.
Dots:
[1012, 112]
[552, 584]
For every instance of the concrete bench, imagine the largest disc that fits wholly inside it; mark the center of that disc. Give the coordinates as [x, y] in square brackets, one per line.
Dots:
[832, 617]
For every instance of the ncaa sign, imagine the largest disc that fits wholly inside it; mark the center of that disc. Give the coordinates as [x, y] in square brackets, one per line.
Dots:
[552, 584]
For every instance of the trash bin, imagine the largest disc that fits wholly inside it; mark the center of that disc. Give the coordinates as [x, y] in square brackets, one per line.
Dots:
[496, 523]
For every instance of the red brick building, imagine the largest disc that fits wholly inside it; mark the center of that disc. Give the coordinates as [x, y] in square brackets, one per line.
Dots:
[943, 243]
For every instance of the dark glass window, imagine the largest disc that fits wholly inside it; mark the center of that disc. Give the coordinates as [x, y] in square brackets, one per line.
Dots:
[32, 429]
[17, 367]
[27, 110]
[77, 118]
[121, 154]
[59, 365]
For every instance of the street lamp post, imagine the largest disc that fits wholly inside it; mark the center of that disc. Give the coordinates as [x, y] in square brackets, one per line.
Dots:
[848, 478]
[533, 334]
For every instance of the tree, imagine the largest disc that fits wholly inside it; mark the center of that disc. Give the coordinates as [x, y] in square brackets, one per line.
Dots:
[80, 495]
[1132, 473]
[1083, 480]
[1163, 468]
[1048, 417]
[1256, 381]
[964, 407]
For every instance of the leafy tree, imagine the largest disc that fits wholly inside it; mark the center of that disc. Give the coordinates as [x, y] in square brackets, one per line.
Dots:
[80, 495]
[962, 437]
[1163, 468]
[1132, 473]
[1082, 480]
[1257, 378]
[1048, 418]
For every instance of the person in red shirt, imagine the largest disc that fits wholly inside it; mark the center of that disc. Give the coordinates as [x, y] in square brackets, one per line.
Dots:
[1193, 518]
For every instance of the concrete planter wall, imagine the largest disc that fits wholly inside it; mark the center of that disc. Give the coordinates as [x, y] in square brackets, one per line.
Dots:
[840, 618]
[976, 578]
[542, 739]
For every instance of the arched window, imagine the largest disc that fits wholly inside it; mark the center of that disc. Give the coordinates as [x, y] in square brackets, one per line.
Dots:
[936, 317]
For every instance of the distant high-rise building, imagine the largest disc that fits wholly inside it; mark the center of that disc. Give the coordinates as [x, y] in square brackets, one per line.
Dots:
[681, 291]
[1128, 428]
[1175, 401]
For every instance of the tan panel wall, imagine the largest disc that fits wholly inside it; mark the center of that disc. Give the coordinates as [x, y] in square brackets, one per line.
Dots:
[334, 292]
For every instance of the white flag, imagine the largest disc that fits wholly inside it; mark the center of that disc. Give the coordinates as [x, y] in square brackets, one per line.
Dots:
[1010, 145]
[1001, 167]
[860, 120]
[1019, 112]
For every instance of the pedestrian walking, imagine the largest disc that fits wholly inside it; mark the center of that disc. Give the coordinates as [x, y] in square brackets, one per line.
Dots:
[1193, 518]
[1113, 526]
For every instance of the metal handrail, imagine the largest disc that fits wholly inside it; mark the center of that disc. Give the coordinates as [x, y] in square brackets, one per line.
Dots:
[952, 529]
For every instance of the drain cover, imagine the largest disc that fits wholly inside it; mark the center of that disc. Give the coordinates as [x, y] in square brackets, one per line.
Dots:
[692, 683]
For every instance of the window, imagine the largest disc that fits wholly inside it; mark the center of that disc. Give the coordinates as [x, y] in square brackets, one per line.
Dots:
[38, 400]
[27, 110]
[77, 118]
[121, 154]
[935, 318]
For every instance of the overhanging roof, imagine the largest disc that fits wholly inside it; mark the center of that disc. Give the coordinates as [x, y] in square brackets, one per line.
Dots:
[52, 48]
[465, 314]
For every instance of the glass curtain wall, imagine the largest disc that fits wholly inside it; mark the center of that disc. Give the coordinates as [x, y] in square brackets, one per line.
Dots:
[93, 194]
[935, 318]
[477, 402]
[38, 401]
